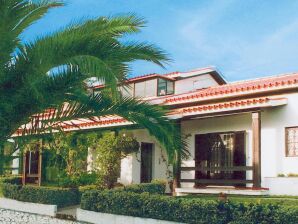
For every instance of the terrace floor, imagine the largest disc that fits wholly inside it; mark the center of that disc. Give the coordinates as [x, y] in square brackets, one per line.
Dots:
[222, 189]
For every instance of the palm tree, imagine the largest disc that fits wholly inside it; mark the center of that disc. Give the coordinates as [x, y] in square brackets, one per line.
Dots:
[51, 70]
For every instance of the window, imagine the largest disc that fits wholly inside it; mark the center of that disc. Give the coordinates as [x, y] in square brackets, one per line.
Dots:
[165, 87]
[292, 141]
[145, 89]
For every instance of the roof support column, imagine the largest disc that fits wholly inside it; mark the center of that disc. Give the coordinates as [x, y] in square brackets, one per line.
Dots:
[256, 148]
[177, 165]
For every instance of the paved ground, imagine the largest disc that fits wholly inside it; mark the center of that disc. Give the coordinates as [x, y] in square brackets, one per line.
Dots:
[13, 217]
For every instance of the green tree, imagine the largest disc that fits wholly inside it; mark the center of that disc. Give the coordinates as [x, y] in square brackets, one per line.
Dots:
[52, 69]
[108, 152]
[106, 161]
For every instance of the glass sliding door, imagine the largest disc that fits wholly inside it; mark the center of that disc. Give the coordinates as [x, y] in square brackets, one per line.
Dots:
[216, 154]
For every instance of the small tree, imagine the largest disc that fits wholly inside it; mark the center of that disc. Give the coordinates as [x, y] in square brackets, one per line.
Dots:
[71, 147]
[109, 150]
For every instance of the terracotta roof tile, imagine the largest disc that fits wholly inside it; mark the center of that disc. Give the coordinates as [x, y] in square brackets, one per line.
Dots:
[235, 89]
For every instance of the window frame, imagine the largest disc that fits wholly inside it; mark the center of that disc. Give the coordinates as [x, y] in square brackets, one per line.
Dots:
[166, 85]
[287, 144]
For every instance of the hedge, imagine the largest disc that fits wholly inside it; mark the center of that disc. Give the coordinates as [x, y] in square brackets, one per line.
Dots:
[11, 179]
[62, 197]
[155, 187]
[186, 210]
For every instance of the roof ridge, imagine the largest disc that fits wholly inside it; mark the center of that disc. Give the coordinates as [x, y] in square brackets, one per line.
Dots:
[282, 75]
[174, 72]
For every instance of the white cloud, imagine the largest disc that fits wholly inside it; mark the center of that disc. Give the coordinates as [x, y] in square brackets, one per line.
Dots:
[239, 55]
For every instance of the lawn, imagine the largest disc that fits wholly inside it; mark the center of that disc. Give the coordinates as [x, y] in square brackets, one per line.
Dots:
[280, 200]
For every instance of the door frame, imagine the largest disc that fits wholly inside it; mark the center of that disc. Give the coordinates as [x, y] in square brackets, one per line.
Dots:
[152, 161]
[196, 149]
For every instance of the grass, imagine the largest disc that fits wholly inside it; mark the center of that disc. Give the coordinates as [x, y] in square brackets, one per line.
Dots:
[278, 200]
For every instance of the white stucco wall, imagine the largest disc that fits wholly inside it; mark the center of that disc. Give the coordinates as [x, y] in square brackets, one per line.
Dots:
[15, 163]
[273, 123]
[131, 167]
[240, 122]
[193, 83]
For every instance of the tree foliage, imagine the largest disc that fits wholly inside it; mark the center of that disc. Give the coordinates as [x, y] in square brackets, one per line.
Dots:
[108, 152]
[69, 150]
[50, 72]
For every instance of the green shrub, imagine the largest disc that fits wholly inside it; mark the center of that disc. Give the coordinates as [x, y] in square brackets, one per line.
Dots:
[52, 173]
[77, 181]
[83, 189]
[9, 179]
[187, 211]
[61, 197]
[14, 179]
[155, 187]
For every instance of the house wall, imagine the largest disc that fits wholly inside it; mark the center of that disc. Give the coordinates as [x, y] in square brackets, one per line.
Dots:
[273, 124]
[190, 128]
[131, 166]
[273, 157]
[127, 90]
[197, 82]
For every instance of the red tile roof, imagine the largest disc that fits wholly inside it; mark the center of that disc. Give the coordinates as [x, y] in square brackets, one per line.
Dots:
[236, 89]
[138, 78]
[222, 93]
[148, 76]
[102, 123]
[228, 106]
[169, 76]
[114, 120]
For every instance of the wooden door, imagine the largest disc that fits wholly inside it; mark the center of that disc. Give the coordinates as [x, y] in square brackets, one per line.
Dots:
[146, 162]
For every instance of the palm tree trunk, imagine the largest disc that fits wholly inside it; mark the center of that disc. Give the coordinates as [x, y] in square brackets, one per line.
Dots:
[176, 173]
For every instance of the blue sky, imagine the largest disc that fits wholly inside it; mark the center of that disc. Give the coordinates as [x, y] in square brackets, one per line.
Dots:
[243, 38]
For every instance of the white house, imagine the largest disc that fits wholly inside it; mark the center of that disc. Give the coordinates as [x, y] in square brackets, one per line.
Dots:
[242, 135]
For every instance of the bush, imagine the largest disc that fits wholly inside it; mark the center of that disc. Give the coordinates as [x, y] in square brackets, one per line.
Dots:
[81, 180]
[155, 187]
[61, 197]
[107, 160]
[187, 211]
[11, 179]
[83, 189]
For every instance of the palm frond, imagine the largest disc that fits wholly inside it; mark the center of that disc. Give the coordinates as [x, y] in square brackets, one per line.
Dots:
[33, 11]
[141, 113]
[49, 73]
[15, 16]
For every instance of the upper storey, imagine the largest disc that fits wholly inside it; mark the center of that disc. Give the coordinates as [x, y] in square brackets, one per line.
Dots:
[156, 85]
